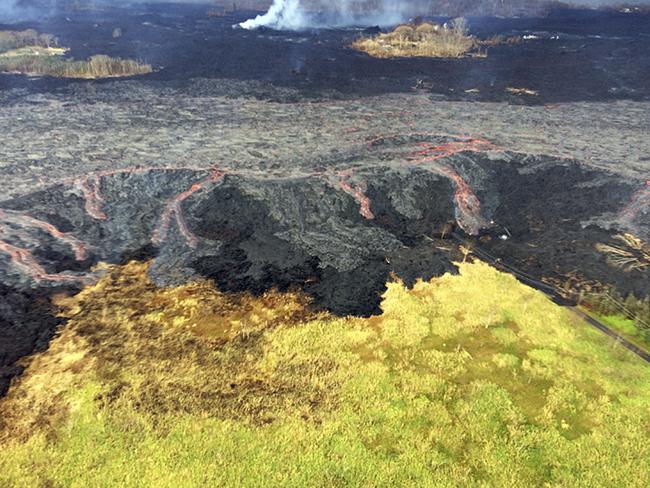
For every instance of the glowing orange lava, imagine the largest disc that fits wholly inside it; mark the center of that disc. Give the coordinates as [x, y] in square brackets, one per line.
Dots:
[358, 192]
[173, 209]
[92, 196]
[17, 224]
[468, 206]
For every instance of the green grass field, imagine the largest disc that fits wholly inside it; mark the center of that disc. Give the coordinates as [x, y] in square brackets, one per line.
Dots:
[628, 329]
[470, 380]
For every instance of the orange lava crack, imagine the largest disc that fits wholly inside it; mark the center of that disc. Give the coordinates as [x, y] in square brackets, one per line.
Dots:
[431, 153]
[173, 209]
[92, 196]
[358, 192]
[27, 221]
[640, 199]
[467, 203]
[23, 259]
[468, 206]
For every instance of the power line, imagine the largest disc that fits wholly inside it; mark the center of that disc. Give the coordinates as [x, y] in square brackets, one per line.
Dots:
[557, 292]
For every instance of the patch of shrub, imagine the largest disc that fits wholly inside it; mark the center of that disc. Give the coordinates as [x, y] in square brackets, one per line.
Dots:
[99, 66]
[17, 39]
[30, 53]
[611, 304]
[423, 40]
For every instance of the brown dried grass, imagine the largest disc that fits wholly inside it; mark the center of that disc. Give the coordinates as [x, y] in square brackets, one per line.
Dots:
[425, 40]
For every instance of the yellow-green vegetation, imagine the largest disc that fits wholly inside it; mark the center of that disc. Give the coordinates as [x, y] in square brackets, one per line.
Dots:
[424, 40]
[469, 380]
[30, 53]
[627, 327]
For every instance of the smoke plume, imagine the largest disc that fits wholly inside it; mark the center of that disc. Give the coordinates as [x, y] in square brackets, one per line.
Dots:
[292, 14]
[302, 14]
[8, 10]
[18, 10]
[283, 15]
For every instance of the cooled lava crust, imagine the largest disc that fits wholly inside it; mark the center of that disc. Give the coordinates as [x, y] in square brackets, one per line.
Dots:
[337, 224]
[338, 232]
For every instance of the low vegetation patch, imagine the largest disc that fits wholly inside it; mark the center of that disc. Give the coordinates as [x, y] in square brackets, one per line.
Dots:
[500, 40]
[522, 91]
[16, 39]
[99, 66]
[469, 380]
[431, 40]
[34, 54]
[423, 40]
[628, 315]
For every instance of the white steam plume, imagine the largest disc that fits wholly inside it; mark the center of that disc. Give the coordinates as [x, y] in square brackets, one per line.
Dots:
[292, 14]
[283, 15]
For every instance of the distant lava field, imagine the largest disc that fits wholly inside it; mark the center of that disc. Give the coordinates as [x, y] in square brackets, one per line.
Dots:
[266, 160]
[567, 56]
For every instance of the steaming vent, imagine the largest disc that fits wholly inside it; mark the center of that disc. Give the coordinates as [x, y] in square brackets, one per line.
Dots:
[292, 14]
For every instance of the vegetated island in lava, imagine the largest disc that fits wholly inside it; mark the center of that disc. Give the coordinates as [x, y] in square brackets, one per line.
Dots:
[30, 53]
[283, 259]
[430, 40]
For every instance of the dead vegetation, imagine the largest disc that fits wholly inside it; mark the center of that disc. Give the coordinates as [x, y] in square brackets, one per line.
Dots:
[423, 40]
[632, 254]
[500, 40]
[522, 91]
[191, 349]
[99, 66]
[627, 314]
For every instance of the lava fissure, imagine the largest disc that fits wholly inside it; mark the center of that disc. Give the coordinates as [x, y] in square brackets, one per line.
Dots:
[640, 200]
[24, 260]
[479, 144]
[27, 221]
[468, 205]
[454, 147]
[173, 210]
[357, 191]
[90, 186]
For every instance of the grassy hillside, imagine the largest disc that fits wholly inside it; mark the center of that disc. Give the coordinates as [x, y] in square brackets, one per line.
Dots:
[470, 380]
